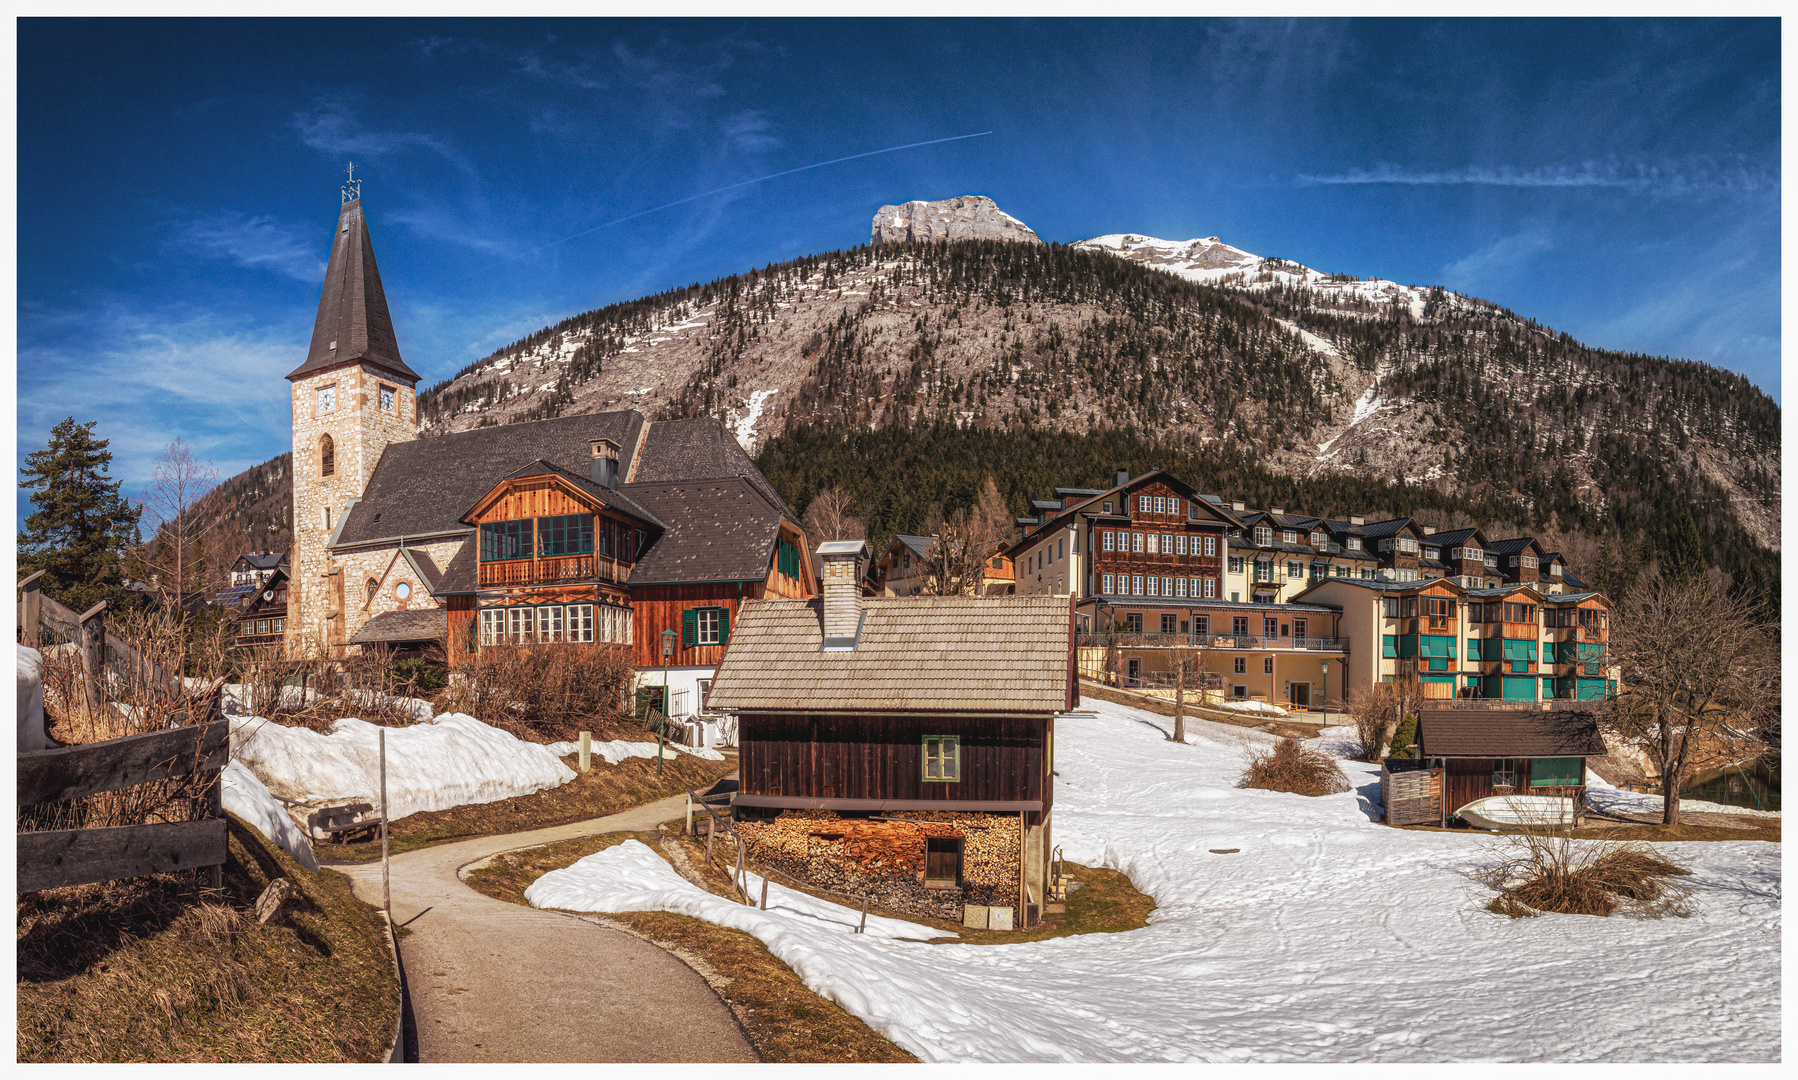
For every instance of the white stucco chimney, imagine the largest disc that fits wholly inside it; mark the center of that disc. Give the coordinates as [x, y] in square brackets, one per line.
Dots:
[840, 581]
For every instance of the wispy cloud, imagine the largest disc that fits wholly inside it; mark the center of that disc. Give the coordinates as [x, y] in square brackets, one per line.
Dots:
[749, 132]
[1502, 258]
[254, 241]
[332, 126]
[1695, 177]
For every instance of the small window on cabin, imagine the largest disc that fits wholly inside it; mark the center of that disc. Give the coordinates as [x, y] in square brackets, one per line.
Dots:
[327, 456]
[1107, 506]
[1504, 772]
[942, 758]
[942, 862]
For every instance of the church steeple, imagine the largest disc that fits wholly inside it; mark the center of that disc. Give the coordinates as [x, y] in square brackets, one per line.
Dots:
[353, 323]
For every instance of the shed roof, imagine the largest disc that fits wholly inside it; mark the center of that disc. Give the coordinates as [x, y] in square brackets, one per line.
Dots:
[1508, 733]
[939, 654]
[417, 624]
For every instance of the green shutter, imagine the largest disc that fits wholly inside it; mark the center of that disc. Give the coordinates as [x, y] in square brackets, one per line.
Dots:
[1557, 771]
[1389, 646]
[724, 626]
[689, 627]
[1473, 648]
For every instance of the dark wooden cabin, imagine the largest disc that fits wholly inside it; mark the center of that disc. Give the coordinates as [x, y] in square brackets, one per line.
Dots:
[1486, 752]
[866, 706]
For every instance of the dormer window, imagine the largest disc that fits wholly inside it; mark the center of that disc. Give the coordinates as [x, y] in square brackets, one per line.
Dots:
[1554, 570]
[1106, 505]
[1432, 553]
[1289, 536]
[1354, 543]
[1407, 545]
[1264, 536]
[1318, 539]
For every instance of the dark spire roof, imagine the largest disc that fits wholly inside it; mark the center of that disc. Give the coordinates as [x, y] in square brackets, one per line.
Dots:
[352, 309]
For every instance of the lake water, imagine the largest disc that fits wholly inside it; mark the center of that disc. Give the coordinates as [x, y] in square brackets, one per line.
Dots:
[1755, 787]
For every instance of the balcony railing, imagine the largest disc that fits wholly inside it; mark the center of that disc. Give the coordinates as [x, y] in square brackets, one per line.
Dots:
[552, 571]
[1126, 640]
[1537, 705]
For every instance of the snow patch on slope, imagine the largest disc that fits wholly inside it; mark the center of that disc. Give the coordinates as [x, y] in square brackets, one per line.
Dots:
[743, 424]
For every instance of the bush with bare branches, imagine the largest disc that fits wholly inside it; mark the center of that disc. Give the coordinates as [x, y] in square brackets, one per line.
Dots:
[1376, 711]
[545, 692]
[1301, 770]
[1547, 871]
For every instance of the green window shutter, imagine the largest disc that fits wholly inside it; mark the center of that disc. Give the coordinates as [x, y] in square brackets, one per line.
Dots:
[724, 626]
[1389, 646]
[1556, 771]
[689, 626]
[1473, 648]
[1451, 649]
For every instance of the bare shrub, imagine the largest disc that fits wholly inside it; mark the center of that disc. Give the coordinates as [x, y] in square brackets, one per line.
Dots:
[1301, 770]
[1376, 711]
[1547, 871]
[544, 692]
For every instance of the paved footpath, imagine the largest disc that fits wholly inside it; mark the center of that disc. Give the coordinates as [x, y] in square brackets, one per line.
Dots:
[492, 981]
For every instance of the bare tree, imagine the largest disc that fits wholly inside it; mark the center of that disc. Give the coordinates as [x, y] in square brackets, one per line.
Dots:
[1376, 712]
[1185, 666]
[1698, 679]
[964, 542]
[174, 559]
[829, 518]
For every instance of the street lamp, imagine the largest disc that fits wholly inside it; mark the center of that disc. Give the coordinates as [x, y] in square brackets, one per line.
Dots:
[667, 653]
[1326, 666]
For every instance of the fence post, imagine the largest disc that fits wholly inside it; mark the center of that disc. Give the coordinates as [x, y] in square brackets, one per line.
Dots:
[30, 610]
[215, 806]
[689, 829]
[586, 751]
[863, 928]
[737, 877]
[93, 657]
[386, 894]
[764, 888]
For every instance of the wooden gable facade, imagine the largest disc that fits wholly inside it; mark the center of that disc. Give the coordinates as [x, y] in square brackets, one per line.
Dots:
[552, 563]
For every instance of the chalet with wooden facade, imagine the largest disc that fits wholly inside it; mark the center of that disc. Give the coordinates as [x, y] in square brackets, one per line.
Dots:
[932, 706]
[261, 612]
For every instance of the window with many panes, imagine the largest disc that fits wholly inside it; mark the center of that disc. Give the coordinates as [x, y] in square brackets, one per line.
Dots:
[1236, 564]
[1239, 665]
[1407, 545]
[1136, 542]
[1211, 545]
[1106, 541]
[1136, 584]
[502, 540]
[566, 534]
[1201, 624]
[1289, 536]
[1267, 665]
[1210, 587]
[1168, 623]
[942, 759]
[1239, 625]
[1504, 772]
[1263, 536]
[1154, 543]
[705, 626]
[1109, 581]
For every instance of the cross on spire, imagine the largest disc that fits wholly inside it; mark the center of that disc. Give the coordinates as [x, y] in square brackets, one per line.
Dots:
[353, 189]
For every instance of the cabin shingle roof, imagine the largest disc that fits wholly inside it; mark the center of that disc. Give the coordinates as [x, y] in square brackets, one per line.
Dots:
[940, 654]
[1508, 733]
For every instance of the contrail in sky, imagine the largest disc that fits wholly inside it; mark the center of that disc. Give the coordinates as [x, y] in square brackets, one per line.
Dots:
[738, 184]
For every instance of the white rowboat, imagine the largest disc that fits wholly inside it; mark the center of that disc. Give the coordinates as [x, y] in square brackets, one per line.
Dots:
[1497, 812]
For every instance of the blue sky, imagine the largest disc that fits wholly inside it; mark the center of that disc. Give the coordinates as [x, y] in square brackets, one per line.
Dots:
[1615, 179]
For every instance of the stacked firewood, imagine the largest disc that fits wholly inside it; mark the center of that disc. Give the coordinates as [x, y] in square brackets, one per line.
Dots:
[851, 854]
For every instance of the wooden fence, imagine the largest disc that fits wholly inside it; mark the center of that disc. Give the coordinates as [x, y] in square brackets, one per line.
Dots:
[1412, 793]
[199, 746]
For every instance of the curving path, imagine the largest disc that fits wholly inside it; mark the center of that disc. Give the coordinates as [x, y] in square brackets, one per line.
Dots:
[492, 981]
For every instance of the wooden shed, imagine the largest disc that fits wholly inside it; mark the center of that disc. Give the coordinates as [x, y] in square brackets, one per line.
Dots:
[1508, 751]
[865, 706]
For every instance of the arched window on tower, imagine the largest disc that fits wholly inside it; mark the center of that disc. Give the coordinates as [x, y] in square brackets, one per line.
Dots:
[327, 456]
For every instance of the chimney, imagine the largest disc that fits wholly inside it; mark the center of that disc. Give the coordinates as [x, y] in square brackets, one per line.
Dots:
[1277, 511]
[840, 579]
[1429, 529]
[1357, 519]
[1238, 504]
[605, 462]
[1122, 478]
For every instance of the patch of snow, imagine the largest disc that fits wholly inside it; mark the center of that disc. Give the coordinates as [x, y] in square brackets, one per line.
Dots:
[1259, 708]
[1369, 404]
[249, 798]
[1327, 937]
[744, 426]
[451, 760]
[631, 877]
[30, 716]
[618, 750]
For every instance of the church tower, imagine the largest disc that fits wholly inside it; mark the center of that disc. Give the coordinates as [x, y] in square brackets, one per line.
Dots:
[351, 398]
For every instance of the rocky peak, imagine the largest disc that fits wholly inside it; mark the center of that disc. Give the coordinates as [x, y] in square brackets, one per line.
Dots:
[965, 217]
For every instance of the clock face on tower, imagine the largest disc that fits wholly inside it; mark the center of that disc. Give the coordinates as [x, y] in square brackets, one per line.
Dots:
[327, 398]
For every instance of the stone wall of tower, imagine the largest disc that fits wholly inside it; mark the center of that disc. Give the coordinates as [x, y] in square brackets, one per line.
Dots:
[359, 429]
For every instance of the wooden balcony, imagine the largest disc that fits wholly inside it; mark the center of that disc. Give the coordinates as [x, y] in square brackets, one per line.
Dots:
[1243, 643]
[562, 570]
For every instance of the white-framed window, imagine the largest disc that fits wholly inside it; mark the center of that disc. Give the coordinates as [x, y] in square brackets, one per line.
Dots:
[549, 624]
[1318, 539]
[521, 624]
[1136, 584]
[1106, 541]
[1554, 569]
[1173, 506]
[1136, 542]
[1353, 543]
[1433, 553]
[1180, 544]
[1289, 536]
[1211, 545]
[1210, 588]
[1109, 581]
[386, 399]
[580, 623]
[1264, 535]
[1407, 545]
[1342, 571]
[708, 626]
[1167, 586]
[493, 625]
[327, 398]
[1295, 570]
[1154, 543]
[1530, 562]
[1180, 588]
[1152, 591]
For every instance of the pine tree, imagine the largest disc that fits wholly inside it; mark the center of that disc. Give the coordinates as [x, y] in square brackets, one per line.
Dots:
[82, 527]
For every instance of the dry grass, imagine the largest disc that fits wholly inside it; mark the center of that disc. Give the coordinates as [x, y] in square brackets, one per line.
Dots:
[1301, 770]
[544, 693]
[785, 1021]
[151, 969]
[607, 789]
[1544, 871]
[1740, 828]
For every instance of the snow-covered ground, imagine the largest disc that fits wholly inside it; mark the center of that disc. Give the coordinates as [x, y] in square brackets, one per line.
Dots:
[618, 750]
[1325, 938]
[449, 761]
[1600, 795]
[249, 798]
